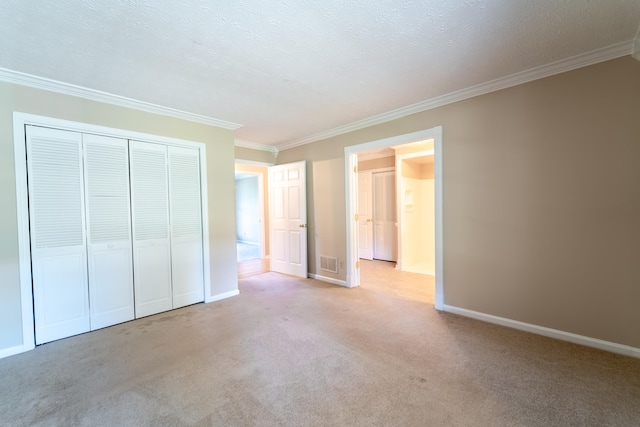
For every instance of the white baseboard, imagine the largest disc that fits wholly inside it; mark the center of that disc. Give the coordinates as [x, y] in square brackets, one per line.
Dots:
[224, 295]
[6, 352]
[328, 280]
[547, 332]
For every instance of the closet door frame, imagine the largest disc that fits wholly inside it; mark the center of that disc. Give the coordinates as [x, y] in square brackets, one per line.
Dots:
[20, 120]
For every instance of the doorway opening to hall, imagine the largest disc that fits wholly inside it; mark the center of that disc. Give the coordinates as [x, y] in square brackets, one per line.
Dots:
[396, 219]
[252, 236]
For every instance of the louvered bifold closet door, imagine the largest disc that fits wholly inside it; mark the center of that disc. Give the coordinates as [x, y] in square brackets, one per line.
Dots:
[58, 249]
[186, 226]
[108, 230]
[150, 218]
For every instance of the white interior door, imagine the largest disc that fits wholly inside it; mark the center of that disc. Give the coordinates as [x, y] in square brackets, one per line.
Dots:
[150, 218]
[288, 218]
[57, 223]
[186, 226]
[109, 244]
[384, 216]
[365, 215]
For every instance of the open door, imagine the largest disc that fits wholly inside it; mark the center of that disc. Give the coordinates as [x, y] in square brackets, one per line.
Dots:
[288, 218]
[365, 215]
[385, 234]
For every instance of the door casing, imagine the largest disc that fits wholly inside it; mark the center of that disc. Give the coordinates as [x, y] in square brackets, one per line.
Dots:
[351, 195]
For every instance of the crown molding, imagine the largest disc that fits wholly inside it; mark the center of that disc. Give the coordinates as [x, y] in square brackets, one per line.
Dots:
[256, 146]
[593, 57]
[36, 82]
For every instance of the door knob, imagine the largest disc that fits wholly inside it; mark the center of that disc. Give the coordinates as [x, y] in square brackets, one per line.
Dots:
[303, 225]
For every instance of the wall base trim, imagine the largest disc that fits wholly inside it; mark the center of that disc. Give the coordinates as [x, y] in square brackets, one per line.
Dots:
[221, 296]
[547, 332]
[328, 280]
[10, 351]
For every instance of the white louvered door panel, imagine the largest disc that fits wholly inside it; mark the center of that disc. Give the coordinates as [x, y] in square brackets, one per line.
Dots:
[186, 226]
[58, 248]
[108, 230]
[150, 218]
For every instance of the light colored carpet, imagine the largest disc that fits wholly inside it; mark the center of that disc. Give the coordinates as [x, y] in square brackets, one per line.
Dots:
[295, 352]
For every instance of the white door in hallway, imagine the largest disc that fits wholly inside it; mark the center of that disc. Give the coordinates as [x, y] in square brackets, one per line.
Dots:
[365, 215]
[288, 218]
[385, 240]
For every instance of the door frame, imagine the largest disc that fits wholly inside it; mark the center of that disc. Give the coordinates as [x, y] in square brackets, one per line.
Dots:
[20, 120]
[351, 199]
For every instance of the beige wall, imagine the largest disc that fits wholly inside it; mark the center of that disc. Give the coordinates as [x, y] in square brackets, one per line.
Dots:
[220, 179]
[541, 199]
[381, 163]
[261, 156]
[417, 170]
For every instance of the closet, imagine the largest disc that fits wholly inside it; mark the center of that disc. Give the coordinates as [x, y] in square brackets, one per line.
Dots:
[115, 229]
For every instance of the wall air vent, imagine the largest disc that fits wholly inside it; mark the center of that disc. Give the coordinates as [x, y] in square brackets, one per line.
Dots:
[328, 264]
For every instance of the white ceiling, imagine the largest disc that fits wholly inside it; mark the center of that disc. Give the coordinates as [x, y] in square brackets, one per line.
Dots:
[288, 70]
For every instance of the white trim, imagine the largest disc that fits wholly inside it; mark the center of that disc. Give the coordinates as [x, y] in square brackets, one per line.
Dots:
[547, 332]
[256, 146]
[222, 296]
[328, 280]
[593, 57]
[252, 163]
[6, 352]
[24, 250]
[19, 122]
[351, 204]
[24, 79]
[438, 178]
[351, 186]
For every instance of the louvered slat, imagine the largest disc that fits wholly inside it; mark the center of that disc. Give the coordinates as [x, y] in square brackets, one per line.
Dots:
[108, 192]
[55, 186]
[185, 194]
[149, 177]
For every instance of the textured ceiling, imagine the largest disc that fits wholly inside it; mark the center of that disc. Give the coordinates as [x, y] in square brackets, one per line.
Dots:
[289, 69]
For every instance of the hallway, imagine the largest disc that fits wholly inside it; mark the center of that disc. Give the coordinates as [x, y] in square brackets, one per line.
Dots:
[382, 277]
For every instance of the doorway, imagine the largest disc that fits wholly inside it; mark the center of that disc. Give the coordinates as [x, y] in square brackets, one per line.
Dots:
[434, 136]
[252, 237]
